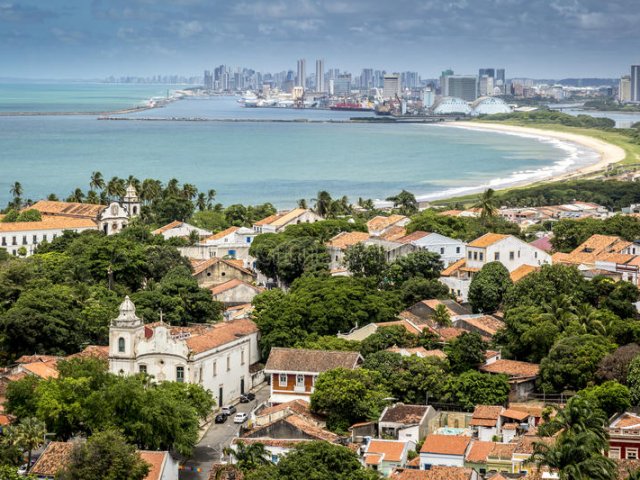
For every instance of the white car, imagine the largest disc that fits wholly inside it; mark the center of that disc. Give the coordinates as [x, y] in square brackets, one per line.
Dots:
[240, 418]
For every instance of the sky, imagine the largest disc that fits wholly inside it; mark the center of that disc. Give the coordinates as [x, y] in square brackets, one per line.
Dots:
[529, 38]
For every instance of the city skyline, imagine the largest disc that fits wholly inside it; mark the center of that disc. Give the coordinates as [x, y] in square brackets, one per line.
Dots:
[536, 39]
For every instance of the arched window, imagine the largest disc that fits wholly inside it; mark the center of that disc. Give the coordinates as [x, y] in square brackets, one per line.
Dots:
[121, 345]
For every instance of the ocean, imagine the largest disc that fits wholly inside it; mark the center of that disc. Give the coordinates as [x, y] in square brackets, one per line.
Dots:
[254, 162]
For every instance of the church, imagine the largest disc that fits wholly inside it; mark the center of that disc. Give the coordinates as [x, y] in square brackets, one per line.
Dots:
[217, 356]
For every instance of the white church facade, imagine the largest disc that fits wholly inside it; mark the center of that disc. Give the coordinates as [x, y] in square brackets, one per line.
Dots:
[216, 356]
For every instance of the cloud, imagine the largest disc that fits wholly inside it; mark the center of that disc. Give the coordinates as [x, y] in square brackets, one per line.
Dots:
[12, 12]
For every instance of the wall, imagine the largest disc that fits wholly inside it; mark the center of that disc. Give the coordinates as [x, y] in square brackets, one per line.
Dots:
[26, 238]
[219, 273]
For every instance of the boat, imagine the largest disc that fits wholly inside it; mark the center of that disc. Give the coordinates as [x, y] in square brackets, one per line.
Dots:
[351, 107]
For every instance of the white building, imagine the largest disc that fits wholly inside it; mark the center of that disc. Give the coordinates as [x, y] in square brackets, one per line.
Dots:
[281, 220]
[233, 243]
[178, 229]
[444, 450]
[449, 249]
[216, 356]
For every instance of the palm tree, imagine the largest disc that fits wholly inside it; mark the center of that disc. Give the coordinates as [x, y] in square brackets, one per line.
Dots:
[16, 190]
[487, 203]
[441, 316]
[97, 181]
[93, 197]
[173, 188]
[249, 457]
[189, 191]
[322, 203]
[590, 319]
[302, 203]
[559, 311]
[28, 435]
[76, 196]
[578, 416]
[201, 201]
[405, 202]
[151, 189]
[116, 188]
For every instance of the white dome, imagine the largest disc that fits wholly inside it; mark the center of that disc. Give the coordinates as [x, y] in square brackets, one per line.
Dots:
[450, 106]
[489, 106]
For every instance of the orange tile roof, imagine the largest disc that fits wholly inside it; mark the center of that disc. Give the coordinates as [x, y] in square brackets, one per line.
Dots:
[449, 333]
[516, 414]
[381, 222]
[433, 304]
[627, 420]
[372, 458]
[311, 361]
[416, 330]
[521, 272]
[526, 443]
[487, 239]
[231, 284]
[221, 333]
[343, 240]
[454, 267]
[70, 209]
[531, 410]
[53, 459]
[412, 237]
[512, 368]
[394, 233]
[48, 223]
[486, 415]
[390, 450]
[42, 370]
[436, 472]
[619, 258]
[222, 234]
[486, 323]
[298, 406]
[92, 351]
[202, 266]
[282, 218]
[168, 226]
[445, 444]
[503, 451]
[509, 426]
[479, 451]
[156, 461]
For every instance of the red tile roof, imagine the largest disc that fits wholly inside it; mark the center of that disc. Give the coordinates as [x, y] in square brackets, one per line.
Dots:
[391, 451]
[436, 472]
[486, 416]
[479, 451]
[512, 368]
[445, 444]
[310, 361]
[487, 239]
[53, 459]
[203, 265]
[231, 284]
[156, 461]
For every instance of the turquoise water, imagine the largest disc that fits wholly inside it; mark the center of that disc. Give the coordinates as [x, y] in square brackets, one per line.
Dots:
[275, 162]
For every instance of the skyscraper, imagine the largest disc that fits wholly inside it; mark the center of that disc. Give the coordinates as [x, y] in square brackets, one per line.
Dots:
[391, 86]
[624, 89]
[302, 73]
[320, 76]
[635, 83]
[342, 85]
[366, 78]
[489, 72]
[443, 82]
[462, 86]
[208, 80]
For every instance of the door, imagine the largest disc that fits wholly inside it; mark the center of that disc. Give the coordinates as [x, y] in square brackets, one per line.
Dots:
[220, 398]
[242, 386]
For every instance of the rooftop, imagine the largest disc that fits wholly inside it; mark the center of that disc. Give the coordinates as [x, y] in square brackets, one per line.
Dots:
[55, 456]
[48, 223]
[231, 284]
[156, 462]
[69, 209]
[479, 451]
[380, 222]
[390, 450]
[445, 444]
[436, 472]
[521, 272]
[201, 266]
[512, 368]
[344, 240]
[487, 239]
[486, 415]
[222, 234]
[405, 414]
[310, 361]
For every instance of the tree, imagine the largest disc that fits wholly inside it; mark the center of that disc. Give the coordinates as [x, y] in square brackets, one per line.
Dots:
[417, 289]
[322, 203]
[348, 396]
[249, 457]
[97, 181]
[105, 456]
[487, 203]
[386, 337]
[16, 190]
[488, 287]
[474, 388]
[633, 380]
[328, 342]
[441, 316]
[611, 397]
[573, 361]
[21, 397]
[9, 472]
[172, 208]
[405, 202]
[366, 261]
[466, 352]
[297, 256]
[420, 264]
[28, 435]
[615, 366]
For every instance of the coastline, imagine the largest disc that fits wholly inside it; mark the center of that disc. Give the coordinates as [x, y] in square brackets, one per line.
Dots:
[607, 155]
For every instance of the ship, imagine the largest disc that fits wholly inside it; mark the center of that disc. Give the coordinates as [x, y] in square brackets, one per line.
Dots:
[351, 107]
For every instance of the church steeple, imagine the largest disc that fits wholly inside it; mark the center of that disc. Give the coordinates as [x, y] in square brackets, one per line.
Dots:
[131, 201]
[127, 317]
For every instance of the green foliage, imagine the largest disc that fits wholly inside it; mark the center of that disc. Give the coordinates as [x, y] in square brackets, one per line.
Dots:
[366, 261]
[462, 228]
[348, 396]
[30, 215]
[386, 337]
[328, 342]
[569, 234]
[21, 398]
[409, 379]
[611, 397]
[417, 289]
[633, 380]
[405, 203]
[104, 456]
[321, 305]
[421, 264]
[615, 366]
[249, 457]
[553, 117]
[10, 472]
[573, 362]
[488, 287]
[473, 388]
[466, 352]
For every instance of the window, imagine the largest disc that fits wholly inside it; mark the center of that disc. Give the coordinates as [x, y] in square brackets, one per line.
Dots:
[512, 255]
[475, 255]
[441, 250]
[457, 249]
[535, 254]
[4, 241]
[282, 380]
[121, 345]
[299, 380]
[248, 239]
[14, 240]
[481, 255]
[24, 239]
[614, 452]
[215, 368]
[496, 256]
[632, 453]
[180, 374]
[469, 255]
[35, 239]
[228, 363]
[44, 237]
[142, 368]
[241, 357]
[518, 253]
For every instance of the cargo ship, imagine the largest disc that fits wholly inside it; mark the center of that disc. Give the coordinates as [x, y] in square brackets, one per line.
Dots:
[351, 107]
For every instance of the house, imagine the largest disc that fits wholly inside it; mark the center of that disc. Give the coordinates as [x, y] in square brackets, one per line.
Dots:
[522, 376]
[386, 455]
[216, 271]
[445, 450]
[411, 323]
[380, 224]
[216, 356]
[406, 422]
[42, 366]
[265, 414]
[293, 372]
[491, 247]
[500, 458]
[596, 247]
[477, 455]
[524, 446]
[23, 238]
[278, 222]
[426, 309]
[521, 272]
[486, 422]
[338, 245]
[162, 466]
[231, 243]
[235, 292]
[178, 229]
[393, 250]
[484, 325]
[418, 351]
[624, 436]
[449, 249]
[435, 473]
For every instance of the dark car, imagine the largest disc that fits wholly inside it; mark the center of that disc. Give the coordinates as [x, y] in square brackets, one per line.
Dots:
[247, 397]
[221, 418]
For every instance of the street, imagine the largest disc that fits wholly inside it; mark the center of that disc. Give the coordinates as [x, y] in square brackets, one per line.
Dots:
[217, 437]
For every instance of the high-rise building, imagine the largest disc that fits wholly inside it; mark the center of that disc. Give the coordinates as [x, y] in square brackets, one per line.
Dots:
[320, 76]
[391, 86]
[486, 86]
[302, 73]
[489, 72]
[342, 85]
[624, 89]
[500, 76]
[443, 82]
[462, 86]
[366, 78]
[635, 83]
[208, 80]
[428, 97]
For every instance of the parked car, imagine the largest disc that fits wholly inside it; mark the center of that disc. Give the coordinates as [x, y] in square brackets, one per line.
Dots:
[23, 470]
[247, 397]
[240, 418]
[229, 410]
[221, 418]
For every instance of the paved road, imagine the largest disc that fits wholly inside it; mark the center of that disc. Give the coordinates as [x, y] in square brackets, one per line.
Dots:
[209, 449]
